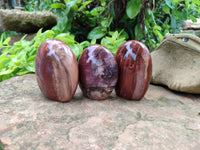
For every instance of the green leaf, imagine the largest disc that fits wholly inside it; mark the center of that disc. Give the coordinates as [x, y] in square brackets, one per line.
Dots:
[169, 3]
[157, 33]
[84, 5]
[150, 16]
[58, 5]
[114, 42]
[75, 49]
[124, 35]
[70, 4]
[166, 9]
[95, 11]
[66, 40]
[85, 44]
[97, 33]
[175, 2]
[106, 22]
[194, 19]
[38, 34]
[196, 2]
[173, 21]
[133, 8]
[182, 16]
[138, 32]
[93, 41]
[115, 35]
[6, 42]
[66, 37]
[156, 27]
[198, 10]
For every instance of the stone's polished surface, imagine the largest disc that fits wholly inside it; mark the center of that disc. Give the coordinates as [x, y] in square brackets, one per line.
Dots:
[134, 63]
[98, 72]
[56, 70]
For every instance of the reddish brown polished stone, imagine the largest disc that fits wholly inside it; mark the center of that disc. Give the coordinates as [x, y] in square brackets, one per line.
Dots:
[56, 70]
[134, 64]
[98, 72]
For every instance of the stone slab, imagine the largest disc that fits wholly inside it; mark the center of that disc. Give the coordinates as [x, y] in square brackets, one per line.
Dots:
[161, 120]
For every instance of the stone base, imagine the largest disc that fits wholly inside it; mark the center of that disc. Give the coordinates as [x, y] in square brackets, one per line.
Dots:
[161, 120]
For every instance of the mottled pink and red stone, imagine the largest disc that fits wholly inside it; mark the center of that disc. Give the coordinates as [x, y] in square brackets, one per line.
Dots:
[56, 70]
[135, 65]
[98, 72]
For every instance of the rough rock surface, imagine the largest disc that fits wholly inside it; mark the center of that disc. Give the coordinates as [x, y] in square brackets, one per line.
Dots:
[176, 63]
[191, 27]
[189, 24]
[26, 22]
[161, 120]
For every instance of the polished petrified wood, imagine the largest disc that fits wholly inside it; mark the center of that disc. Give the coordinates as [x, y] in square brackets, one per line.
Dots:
[134, 64]
[56, 70]
[98, 72]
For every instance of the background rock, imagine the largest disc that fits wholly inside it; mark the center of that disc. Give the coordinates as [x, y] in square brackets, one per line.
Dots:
[176, 63]
[26, 22]
[191, 27]
[162, 120]
[188, 25]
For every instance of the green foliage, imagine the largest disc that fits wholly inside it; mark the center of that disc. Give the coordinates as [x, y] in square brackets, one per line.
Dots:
[33, 5]
[19, 59]
[167, 17]
[91, 19]
[6, 34]
[114, 42]
[77, 16]
[171, 14]
[64, 22]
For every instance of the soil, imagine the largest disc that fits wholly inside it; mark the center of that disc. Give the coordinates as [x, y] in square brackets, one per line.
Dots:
[16, 38]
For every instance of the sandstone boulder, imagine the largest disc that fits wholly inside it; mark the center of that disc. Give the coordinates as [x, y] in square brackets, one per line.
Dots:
[176, 63]
[26, 22]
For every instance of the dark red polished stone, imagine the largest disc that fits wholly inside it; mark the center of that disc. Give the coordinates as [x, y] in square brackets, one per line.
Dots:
[134, 64]
[98, 72]
[56, 70]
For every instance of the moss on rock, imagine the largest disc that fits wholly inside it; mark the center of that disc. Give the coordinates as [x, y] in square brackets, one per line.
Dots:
[26, 22]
